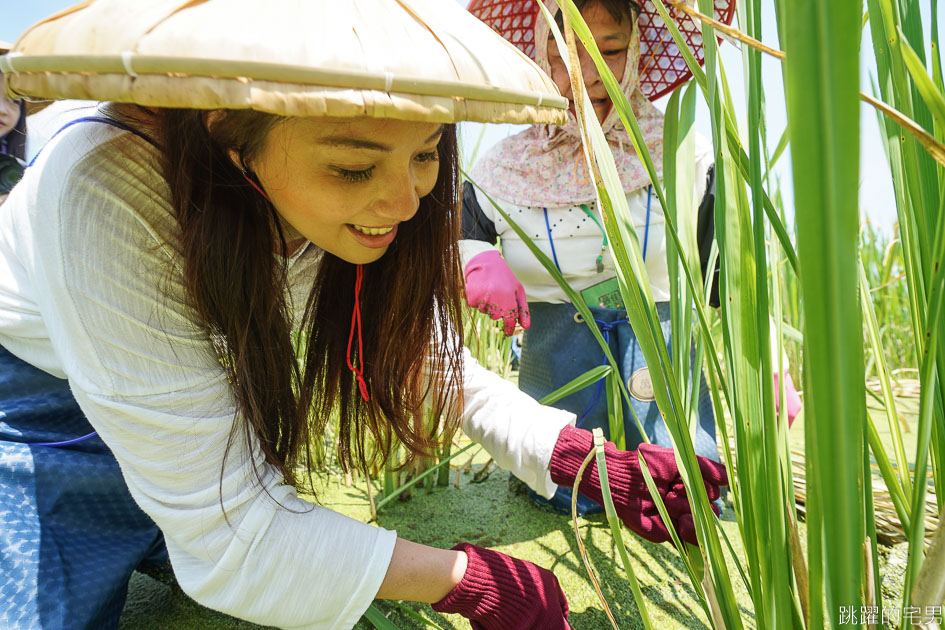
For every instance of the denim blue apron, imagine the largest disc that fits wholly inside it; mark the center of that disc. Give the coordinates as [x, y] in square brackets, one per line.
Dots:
[558, 347]
[70, 533]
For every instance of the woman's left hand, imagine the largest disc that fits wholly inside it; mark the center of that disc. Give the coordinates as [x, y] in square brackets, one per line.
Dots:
[499, 592]
[632, 499]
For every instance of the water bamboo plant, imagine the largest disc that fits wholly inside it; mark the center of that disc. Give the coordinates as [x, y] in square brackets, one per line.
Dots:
[821, 42]
[844, 311]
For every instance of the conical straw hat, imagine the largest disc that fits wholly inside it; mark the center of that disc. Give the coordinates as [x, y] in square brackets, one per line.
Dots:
[423, 60]
[662, 67]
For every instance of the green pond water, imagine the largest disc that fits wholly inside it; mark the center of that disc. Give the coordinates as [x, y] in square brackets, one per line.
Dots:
[494, 515]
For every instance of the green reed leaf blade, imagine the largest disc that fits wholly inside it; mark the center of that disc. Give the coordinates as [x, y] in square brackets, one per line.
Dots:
[394, 493]
[378, 620]
[872, 329]
[615, 524]
[822, 85]
[924, 85]
[578, 383]
[664, 516]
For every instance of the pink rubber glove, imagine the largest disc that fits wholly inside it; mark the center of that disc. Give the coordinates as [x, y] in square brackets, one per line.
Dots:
[791, 399]
[492, 288]
[499, 592]
[632, 499]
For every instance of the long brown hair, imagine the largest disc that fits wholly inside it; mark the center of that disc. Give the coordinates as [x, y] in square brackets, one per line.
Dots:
[409, 299]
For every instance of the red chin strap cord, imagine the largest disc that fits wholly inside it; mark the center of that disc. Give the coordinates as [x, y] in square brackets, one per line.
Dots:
[356, 321]
[355, 315]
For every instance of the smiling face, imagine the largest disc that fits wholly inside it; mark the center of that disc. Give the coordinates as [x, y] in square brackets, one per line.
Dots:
[613, 38]
[347, 184]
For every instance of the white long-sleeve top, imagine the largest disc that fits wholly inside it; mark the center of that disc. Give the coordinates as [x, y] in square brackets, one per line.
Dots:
[91, 291]
[577, 239]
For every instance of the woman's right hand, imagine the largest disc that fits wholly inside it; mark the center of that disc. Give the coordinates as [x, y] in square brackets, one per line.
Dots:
[492, 288]
[499, 592]
[632, 500]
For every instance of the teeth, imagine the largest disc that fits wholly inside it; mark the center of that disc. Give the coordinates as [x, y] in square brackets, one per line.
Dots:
[372, 231]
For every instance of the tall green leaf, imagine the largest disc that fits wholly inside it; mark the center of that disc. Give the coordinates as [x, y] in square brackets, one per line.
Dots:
[821, 42]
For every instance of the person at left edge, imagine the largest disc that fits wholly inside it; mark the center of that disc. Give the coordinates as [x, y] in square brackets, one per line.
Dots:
[12, 138]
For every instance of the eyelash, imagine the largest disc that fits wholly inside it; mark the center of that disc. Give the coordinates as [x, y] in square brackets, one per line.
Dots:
[356, 177]
[359, 177]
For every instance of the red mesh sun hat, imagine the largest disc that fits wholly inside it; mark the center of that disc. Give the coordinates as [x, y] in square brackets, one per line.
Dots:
[662, 67]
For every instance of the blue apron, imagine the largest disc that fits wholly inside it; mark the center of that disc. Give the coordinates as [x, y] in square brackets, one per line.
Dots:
[558, 347]
[70, 533]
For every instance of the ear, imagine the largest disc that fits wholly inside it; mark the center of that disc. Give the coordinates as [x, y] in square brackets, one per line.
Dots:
[235, 158]
[210, 119]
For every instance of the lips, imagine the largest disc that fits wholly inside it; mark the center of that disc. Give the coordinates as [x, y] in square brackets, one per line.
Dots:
[372, 231]
[373, 237]
[595, 101]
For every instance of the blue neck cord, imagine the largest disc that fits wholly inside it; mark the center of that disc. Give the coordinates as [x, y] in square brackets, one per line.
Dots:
[551, 241]
[646, 228]
[99, 119]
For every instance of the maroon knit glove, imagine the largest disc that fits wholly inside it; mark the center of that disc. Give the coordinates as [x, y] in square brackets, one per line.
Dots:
[632, 499]
[499, 592]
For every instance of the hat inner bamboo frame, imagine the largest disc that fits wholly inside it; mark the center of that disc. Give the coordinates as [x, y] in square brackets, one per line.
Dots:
[467, 74]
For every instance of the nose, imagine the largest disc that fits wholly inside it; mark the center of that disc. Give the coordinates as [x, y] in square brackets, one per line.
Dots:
[588, 69]
[400, 197]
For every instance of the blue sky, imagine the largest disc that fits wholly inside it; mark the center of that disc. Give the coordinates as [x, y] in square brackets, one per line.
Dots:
[876, 195]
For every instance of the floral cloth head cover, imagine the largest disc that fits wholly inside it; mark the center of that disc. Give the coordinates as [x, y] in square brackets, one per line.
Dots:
[544, 165]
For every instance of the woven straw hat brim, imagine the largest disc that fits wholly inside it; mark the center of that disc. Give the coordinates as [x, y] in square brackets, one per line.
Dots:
[5, 46]
[421, 60]
[662, 66]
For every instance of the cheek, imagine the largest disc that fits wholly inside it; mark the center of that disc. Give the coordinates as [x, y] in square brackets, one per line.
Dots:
[617, 65]
[8, 109]
[427, 180]
[559, 74]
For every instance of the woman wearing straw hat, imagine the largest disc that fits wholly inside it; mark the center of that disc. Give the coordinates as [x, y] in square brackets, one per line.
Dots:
[255, 234]
[539, 179]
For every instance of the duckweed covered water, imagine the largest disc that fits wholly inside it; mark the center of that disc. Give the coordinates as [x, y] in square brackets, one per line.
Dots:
[491, 515]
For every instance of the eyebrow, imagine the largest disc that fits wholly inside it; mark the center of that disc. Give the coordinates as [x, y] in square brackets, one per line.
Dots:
[364, 143]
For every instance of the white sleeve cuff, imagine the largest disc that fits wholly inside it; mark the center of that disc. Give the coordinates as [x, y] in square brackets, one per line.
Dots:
[468, 248]
[515, 430]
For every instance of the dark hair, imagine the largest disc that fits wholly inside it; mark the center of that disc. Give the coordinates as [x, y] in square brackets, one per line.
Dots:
[618, 9]
[287, 389]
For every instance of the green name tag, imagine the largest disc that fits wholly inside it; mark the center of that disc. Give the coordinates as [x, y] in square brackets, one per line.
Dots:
[604, 294]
